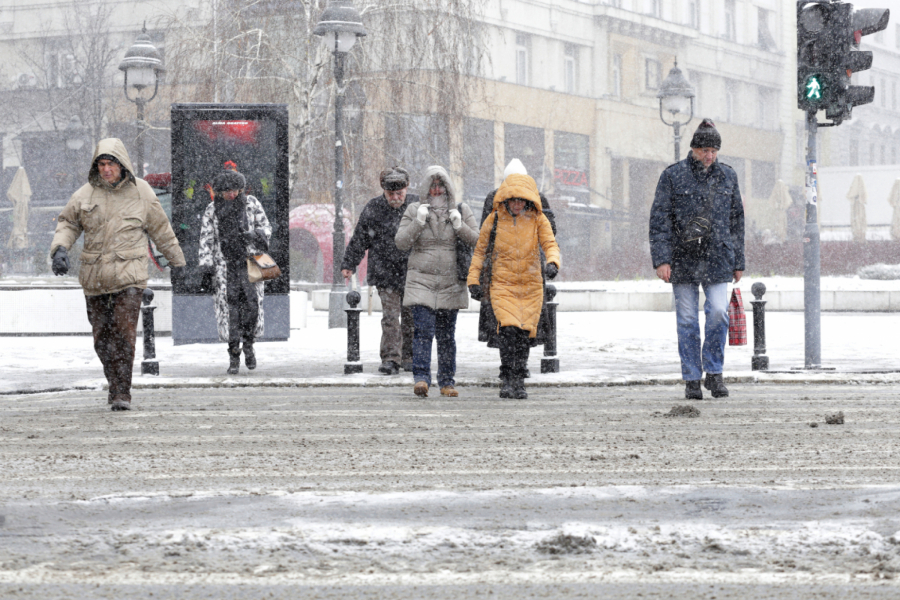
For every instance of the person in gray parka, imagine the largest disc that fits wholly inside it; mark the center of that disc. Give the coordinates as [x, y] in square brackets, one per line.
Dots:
[429, 230]
[697, 239]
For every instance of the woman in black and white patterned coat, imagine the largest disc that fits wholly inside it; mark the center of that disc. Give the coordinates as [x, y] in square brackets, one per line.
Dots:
[234, 227]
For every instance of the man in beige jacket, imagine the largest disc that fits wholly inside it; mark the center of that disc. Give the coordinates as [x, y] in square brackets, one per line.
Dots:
[116, 211]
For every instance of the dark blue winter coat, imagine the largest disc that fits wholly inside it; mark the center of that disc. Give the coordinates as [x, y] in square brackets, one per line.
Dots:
[375, 232]
[681, 194]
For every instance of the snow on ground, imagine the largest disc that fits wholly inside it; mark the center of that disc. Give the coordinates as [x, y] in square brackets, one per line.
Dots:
[593, 347]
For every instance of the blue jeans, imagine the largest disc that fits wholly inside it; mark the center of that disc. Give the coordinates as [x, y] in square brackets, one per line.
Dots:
[429, 323]
[687, 298]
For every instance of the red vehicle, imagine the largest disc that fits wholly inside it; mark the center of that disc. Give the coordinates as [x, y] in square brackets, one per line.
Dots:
[312, 235]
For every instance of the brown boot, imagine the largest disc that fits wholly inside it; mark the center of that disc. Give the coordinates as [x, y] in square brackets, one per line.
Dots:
[421, 389]
[449, 390]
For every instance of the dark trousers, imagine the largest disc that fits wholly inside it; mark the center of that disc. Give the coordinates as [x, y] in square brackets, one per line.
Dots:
[113, 319]
[243, 307]
[430, 324]
[396, 327]
[514, 346]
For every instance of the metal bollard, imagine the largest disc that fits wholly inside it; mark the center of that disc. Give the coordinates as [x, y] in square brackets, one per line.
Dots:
[149, 366]
[550, 364]
[759, 361]
[353, 365]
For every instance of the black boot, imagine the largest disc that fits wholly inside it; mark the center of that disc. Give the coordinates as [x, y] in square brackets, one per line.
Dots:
[715, 385]
[506, 387]
[692, 390]
[507, 362]
[234, 357]
[249, 355]
[518, 386]
[520, 364]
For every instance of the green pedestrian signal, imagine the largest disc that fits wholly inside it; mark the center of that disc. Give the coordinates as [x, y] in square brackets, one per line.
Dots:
[813, 88]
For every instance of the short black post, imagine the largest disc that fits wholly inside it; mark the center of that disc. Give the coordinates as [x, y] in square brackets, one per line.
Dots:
[759, 361]
[550, 363]
[149, 366]
[353, 365]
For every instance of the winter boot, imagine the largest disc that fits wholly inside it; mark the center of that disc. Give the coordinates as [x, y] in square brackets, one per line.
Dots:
[518, 388]
[692, 390]
[234, 356]
[715, 385]
[120, 403]
[506, 388]
[249, 355]
[421, 389]
[389, 367]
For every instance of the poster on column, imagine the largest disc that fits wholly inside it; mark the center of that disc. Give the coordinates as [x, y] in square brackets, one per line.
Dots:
[206, 140]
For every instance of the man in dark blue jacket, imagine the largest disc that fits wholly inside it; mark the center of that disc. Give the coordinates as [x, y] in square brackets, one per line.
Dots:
[375, 232]
[697, 239]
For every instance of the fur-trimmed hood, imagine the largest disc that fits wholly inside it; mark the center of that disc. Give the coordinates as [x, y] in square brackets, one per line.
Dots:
[437, 171]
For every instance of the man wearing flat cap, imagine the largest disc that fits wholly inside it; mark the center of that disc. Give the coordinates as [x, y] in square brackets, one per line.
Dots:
[375, 232]
[116, 211]
[697, 239]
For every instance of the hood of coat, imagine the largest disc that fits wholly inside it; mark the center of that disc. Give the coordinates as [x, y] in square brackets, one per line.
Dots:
[113, 147]
[441, 172]
[518, 186]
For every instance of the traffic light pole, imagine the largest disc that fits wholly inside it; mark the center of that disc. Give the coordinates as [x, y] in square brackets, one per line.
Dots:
[812, 296]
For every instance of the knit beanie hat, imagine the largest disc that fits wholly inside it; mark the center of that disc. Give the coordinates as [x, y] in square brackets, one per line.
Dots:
[706, 136]
[514, 166]
[393, 179]
[229, 180]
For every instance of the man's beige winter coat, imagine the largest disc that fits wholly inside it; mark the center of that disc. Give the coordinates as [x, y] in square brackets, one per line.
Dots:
[116, 221]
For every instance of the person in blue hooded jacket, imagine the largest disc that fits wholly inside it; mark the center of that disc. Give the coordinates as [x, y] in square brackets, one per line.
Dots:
[697, 239]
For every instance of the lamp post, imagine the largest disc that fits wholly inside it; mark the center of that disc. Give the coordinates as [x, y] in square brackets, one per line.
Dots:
[339, 27]
[676, 97]
[142, 66]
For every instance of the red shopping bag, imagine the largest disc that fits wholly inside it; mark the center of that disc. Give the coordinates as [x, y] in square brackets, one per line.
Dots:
[737, 320]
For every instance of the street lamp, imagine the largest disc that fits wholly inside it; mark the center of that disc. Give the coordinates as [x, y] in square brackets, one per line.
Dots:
[339, 27]
[142, 66]
[676, 97]
[74, 136]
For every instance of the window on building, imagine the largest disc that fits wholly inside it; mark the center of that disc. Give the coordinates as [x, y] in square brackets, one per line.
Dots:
[764, 37]
[897, 36]
[730, 16]
[765, 116]
[652, 74]
[523, 58]
[478, 160]
[654, 7]
[883, 156]
[729, 103]
[526, 144]
[694, 13]
[763, 178]
[617, 75]
[416, 141]
[883, 94]
[871, 154]
[696, 80]
[570, 68]
[571, 165]
[616, 3]
[893, 95]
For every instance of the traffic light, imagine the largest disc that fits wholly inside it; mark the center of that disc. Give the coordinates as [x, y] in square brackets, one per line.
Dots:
[815, 54]
[828, 36]
[861, 22]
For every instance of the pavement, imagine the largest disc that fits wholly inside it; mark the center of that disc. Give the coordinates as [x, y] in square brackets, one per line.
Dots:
[601, 348]
[367, 492]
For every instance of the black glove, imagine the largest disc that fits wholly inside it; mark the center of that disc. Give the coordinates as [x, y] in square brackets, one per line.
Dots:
[257, 239]
[60, 261]
[475, 292]
[176, 272]
[552, 270]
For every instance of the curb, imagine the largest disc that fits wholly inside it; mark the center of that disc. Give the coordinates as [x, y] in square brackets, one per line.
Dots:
[776, 378]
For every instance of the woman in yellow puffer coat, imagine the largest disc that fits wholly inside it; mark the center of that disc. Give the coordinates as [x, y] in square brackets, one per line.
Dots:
[516, 289]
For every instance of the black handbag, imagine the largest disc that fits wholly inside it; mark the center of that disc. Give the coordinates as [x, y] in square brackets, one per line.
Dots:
[487, 320]
[463, 255]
